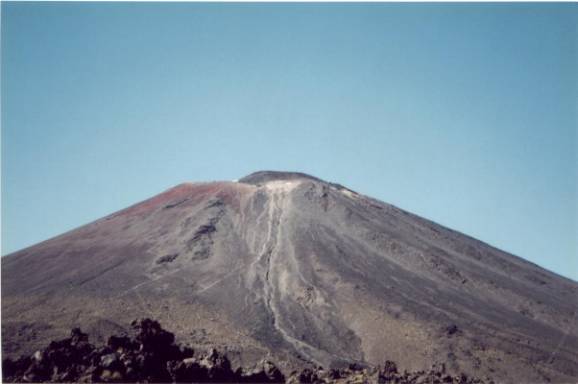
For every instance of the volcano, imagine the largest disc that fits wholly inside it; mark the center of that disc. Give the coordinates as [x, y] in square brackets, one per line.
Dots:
[302, 271]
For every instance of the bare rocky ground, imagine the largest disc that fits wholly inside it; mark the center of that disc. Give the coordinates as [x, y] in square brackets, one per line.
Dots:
[303, 273]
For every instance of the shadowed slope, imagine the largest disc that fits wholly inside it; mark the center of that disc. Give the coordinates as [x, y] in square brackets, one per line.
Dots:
[307, 271]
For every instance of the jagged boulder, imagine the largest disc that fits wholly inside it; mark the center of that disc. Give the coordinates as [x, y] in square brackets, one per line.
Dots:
[308, 375]
[264, 372]
[218, 366]
[120, 343]
[187, 370]
[388, 372]
[151, 337]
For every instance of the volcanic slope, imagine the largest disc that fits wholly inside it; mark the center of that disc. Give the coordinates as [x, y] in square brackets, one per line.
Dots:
[288, 266]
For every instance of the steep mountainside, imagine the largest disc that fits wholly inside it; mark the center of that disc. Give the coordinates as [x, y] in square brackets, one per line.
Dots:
[288, 266]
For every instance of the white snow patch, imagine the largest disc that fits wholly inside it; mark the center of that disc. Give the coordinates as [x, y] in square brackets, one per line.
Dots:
[349, 193]
[282, 185]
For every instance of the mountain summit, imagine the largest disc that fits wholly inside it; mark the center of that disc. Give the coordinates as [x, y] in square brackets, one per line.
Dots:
[285, 265]
[266, 176]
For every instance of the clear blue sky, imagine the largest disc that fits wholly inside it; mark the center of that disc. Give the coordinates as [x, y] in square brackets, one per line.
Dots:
[465, 114]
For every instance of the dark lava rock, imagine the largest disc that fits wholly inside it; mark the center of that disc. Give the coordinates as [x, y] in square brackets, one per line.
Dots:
[120, 343]
[388, 372]
[187, 370]
[264, 372]
[452, 329]
[152, 357]
[167, 258]
[309, 376]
